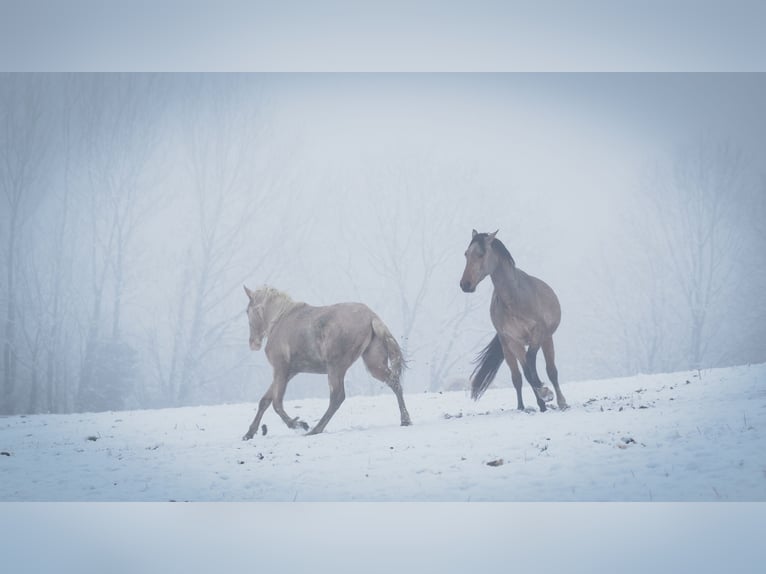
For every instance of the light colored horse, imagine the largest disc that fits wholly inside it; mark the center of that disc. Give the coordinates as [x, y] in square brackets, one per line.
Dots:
[322, 340]
[525, 313]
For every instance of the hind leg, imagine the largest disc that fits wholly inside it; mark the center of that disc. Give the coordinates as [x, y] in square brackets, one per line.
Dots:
[337, 396]
[532, 376]
[510, 359]
[375, 358]
[516, 349]
[553, 373]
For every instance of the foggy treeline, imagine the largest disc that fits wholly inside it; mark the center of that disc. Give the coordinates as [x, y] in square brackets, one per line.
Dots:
[133, 208]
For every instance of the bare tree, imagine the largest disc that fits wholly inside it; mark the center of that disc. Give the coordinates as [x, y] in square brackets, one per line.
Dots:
[696, 204]
[405, 251]
[447, 354]
[632, 314]
[679, 288]
[749, 304]
[121, 136]
[681, 248]
[23, 149]
[48, 261]
[232, 193]
[57, 377]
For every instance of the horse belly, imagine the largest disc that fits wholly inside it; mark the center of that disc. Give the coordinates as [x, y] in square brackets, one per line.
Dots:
[308, 358]
[308, 366]
[517, 329]
[319, 355]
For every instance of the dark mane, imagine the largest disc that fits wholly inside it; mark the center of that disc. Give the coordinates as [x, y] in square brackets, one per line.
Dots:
[502, 250]
[497, 245]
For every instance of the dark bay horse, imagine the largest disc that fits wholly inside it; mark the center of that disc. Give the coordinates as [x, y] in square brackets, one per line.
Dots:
[525, 313]
[322, 340]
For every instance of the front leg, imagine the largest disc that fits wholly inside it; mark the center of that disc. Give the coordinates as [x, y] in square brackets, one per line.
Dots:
[279, 395]
[262, 406]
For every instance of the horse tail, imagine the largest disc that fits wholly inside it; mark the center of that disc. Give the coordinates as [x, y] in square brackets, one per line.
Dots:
[488, 362]
[396, 360]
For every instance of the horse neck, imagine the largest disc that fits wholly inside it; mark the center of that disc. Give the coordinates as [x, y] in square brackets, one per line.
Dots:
[505, 278]
[276, 309]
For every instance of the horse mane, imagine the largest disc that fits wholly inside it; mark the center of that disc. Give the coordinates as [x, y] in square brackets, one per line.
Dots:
[497, 246]
[273, 295]
[277, 301]
[502, 250]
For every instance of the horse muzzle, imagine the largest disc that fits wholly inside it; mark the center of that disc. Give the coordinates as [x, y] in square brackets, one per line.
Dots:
[255, 345]
[467, 287]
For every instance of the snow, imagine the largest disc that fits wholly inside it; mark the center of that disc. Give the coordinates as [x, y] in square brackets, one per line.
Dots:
[689, 436]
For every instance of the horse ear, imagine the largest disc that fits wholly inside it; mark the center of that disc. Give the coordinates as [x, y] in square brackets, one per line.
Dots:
[491, 237]
[474, 233]
[248, 292]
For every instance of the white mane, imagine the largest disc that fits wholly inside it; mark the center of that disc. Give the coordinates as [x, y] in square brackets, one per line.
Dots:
[273, 303]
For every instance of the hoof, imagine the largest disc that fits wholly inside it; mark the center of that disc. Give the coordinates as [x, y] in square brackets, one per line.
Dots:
[296, 422]
[545, 394]
[248, 436]
[406, 423]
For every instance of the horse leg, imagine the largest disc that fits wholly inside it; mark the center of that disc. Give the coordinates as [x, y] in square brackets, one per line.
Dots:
[375, 358]
[553, 373]
[517, 350]
[532, 364]
[532, 375]
[264, 403]
[337, 396]
[279, 396]
[515, 374]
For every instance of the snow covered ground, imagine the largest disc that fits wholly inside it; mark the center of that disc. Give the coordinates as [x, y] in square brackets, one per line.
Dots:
[670, 437]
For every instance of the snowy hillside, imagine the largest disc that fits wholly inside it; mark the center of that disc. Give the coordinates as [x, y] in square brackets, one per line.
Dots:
[671, 437]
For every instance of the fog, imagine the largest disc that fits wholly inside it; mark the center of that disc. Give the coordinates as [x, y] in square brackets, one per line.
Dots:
[135, 207]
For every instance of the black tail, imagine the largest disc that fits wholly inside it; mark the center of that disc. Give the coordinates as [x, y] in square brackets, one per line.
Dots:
[489, 361]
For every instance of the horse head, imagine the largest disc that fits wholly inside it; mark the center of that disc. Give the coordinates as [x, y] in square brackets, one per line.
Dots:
[480, 260]
[256, 319]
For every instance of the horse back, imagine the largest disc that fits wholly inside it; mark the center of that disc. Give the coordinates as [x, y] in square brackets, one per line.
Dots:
[312, 339]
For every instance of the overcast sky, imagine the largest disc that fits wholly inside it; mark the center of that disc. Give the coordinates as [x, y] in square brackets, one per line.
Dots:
[571, 149]
[520, 35]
